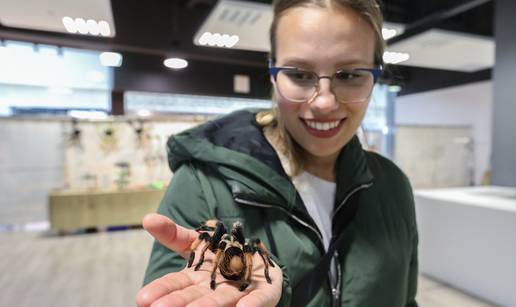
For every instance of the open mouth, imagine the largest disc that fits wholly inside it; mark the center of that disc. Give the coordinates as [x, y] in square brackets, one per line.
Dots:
[327, 128]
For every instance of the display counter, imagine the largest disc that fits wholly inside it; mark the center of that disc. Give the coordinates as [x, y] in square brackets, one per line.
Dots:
[71, 210]
[468, 240]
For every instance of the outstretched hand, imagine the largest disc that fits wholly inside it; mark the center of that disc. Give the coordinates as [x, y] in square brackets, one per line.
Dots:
[192, 288]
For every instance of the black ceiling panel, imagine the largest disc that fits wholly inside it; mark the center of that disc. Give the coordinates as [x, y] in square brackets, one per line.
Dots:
[155, 29]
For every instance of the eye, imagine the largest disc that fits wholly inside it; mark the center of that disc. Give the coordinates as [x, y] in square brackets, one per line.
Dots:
[347, 75]
[299, 75]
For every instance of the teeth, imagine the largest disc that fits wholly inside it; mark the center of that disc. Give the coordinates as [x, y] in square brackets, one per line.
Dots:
[322, 126]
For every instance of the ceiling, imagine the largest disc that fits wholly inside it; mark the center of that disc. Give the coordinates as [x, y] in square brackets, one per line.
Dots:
[162, 28]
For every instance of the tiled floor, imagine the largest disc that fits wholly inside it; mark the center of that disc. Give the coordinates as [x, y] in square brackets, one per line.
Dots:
[434, 294]
[106, 269]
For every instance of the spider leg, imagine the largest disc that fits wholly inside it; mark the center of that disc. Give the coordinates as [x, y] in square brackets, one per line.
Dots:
[265, 251]
[201, 260]
[248, 256]
[202, 237]
[208, 225]
[262, 251]
[204, 228]
[238, 232]
[220, 230]
[218, 259]
[212, 242]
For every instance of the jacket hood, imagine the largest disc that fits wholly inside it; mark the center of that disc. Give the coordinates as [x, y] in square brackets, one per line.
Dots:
[235, 147]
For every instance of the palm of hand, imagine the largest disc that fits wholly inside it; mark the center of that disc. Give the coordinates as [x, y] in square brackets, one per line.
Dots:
[192, 288]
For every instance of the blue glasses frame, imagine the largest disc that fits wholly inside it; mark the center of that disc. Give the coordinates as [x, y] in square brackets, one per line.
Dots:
[377, 72]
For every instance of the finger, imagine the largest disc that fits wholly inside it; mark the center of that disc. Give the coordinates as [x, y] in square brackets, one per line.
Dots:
[260, 298]
[182, 297]
[224, 295]
[162, 286]
[168, 233]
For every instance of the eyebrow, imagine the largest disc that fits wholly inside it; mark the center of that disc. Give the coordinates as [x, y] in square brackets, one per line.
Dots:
[297, 62]
[302, 63]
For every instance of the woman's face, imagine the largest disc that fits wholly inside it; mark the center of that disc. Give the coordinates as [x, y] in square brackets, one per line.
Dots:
[323, 40]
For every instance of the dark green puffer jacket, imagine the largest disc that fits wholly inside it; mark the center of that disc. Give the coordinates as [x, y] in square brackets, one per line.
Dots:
[226, 169]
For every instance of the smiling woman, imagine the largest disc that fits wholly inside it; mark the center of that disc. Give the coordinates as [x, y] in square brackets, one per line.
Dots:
[324, 38]
[339, 220]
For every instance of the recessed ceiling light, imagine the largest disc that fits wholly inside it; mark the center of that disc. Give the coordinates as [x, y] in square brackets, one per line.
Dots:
[81, 25]
[111, 59]
[389, 33]
[203, 40]
[91, 26]
[105, 30]
[395, 57]
[175, 63]
[218, 40]
[69, 24]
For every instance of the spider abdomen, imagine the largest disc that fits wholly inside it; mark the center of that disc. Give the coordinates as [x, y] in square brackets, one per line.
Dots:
[232, 266]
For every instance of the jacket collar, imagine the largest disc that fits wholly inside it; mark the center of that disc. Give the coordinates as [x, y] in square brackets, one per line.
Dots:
[236, 147]
[352, 169]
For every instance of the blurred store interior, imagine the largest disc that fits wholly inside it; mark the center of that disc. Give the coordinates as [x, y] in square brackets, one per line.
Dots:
[90, 91]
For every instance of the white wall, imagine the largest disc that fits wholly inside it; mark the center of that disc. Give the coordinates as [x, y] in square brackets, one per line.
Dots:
[31, 164]
[469, 104]
[37, 155]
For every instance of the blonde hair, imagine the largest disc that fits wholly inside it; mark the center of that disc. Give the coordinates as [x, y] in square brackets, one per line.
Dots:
[370, 10]
[271, 121]
[277, 134]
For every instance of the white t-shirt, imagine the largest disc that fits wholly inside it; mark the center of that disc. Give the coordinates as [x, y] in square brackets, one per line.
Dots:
[318, 196]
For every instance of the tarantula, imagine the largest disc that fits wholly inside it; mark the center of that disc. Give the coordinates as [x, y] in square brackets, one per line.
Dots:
[233, 253]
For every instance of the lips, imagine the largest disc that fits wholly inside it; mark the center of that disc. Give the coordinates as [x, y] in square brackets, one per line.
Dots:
[323, 128]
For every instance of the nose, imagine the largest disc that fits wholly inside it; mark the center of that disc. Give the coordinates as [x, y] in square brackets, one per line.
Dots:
[324, 101]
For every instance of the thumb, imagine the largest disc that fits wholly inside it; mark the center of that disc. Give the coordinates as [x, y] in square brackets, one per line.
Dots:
[169, 234]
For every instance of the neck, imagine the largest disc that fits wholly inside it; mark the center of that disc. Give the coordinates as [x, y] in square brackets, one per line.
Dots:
[322, 167]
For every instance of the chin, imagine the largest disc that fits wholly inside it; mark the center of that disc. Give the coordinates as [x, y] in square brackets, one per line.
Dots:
[323, 152]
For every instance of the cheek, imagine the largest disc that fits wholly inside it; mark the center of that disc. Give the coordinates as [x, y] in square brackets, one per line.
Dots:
[289, 114]
[288, 110]
[357, 110]
[288, 107]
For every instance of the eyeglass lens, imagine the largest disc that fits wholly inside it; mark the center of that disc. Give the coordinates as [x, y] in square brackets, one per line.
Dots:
[348, 86]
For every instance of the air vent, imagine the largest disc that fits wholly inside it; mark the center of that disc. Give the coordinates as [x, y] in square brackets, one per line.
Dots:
[448, 50]
[247, 20]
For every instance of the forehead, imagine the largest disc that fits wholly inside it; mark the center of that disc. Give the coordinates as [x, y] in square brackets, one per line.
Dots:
[323, 37]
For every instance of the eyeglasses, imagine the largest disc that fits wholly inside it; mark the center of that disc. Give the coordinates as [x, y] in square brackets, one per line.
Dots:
[348, 85]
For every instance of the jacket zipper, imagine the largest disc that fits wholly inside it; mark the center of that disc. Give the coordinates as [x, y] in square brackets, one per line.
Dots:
[335, 291]
[360, 187]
